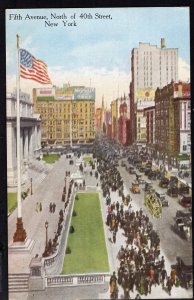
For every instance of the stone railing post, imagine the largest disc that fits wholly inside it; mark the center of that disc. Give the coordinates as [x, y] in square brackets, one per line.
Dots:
[37, 274]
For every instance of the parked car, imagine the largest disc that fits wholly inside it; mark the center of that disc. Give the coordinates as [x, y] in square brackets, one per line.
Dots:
[185, 200]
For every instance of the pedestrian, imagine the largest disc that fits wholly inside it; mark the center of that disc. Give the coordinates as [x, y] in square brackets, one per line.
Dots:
[169, 285]
[163, 276]
[40, 206]
[173, 275]
[50, 207]
[54, 207]
[114, 236]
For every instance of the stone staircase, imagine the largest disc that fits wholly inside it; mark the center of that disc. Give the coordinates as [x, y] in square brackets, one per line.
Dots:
[18, 282]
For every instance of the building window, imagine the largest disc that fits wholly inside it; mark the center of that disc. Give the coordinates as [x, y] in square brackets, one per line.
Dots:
[184, 148]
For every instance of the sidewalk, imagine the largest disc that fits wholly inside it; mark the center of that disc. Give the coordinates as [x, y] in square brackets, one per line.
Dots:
[50, 190]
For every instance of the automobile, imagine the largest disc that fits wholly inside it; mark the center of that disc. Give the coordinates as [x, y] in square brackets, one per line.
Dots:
[172, 192]
[148, 185]
[182, 227]
[185, 200]
[141, 181]
[141, 169]
[152, 175]
[184, 270]
[183, 189]
[184, 213]
[147, 171]
[161, 196]
[164, 182]
[135, 187]
[148, 164]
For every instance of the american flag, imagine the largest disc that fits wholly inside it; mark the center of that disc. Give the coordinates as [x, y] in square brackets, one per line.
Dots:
[32, 68]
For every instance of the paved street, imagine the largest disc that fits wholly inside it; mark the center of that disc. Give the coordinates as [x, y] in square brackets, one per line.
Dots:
[171, 242]
[50, 190]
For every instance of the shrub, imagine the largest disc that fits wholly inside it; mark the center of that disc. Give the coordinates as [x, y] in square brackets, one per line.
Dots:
[71, 229]
[76, 197]
[68, 250]
[74, 213]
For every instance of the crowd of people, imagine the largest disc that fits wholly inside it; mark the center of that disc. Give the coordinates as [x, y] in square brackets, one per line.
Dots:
[141, 265]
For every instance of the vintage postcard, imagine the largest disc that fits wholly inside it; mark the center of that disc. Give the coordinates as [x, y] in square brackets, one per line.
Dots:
[99, 153]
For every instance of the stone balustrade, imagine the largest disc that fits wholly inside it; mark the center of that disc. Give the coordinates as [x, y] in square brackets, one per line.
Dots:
[77, 279]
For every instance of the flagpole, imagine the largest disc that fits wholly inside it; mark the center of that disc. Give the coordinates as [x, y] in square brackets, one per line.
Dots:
[20, 234]
[18, 134]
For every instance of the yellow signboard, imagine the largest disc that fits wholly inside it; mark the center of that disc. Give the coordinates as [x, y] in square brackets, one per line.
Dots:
[145, 93]
[63, 92]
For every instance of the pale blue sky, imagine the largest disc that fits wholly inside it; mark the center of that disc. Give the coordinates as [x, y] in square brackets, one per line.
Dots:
[97, 45]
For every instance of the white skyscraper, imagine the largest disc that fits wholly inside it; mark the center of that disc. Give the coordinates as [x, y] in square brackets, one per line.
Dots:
[151, 67]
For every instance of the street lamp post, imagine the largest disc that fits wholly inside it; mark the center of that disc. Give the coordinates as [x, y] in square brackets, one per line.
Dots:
[46, 245]
[31, 185]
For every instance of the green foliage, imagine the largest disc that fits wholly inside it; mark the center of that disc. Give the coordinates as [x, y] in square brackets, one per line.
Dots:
[50, 158]
[71, 230]
[68, 250]
[12, 201]
[88, 159]
[76, 197]
[89, 253]
[74, 213]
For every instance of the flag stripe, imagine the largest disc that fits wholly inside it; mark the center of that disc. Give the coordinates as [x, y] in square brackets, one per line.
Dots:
[32, 68]
[36, 79]
[33, 74]
[40, 79]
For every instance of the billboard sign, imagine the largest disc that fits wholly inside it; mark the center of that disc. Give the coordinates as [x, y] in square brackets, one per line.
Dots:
[63, 94]
[45, 92]
[84, 93]
[145, 93]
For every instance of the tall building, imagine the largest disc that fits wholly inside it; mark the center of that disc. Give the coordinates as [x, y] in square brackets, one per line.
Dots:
[68, 114]
[98, 118]
[30, 135]
[149, 113]
[151, 67]
[122, 123]
[173, 119]
[114, 118]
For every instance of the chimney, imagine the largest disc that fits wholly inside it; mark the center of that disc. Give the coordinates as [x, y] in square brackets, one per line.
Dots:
[163, 43]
